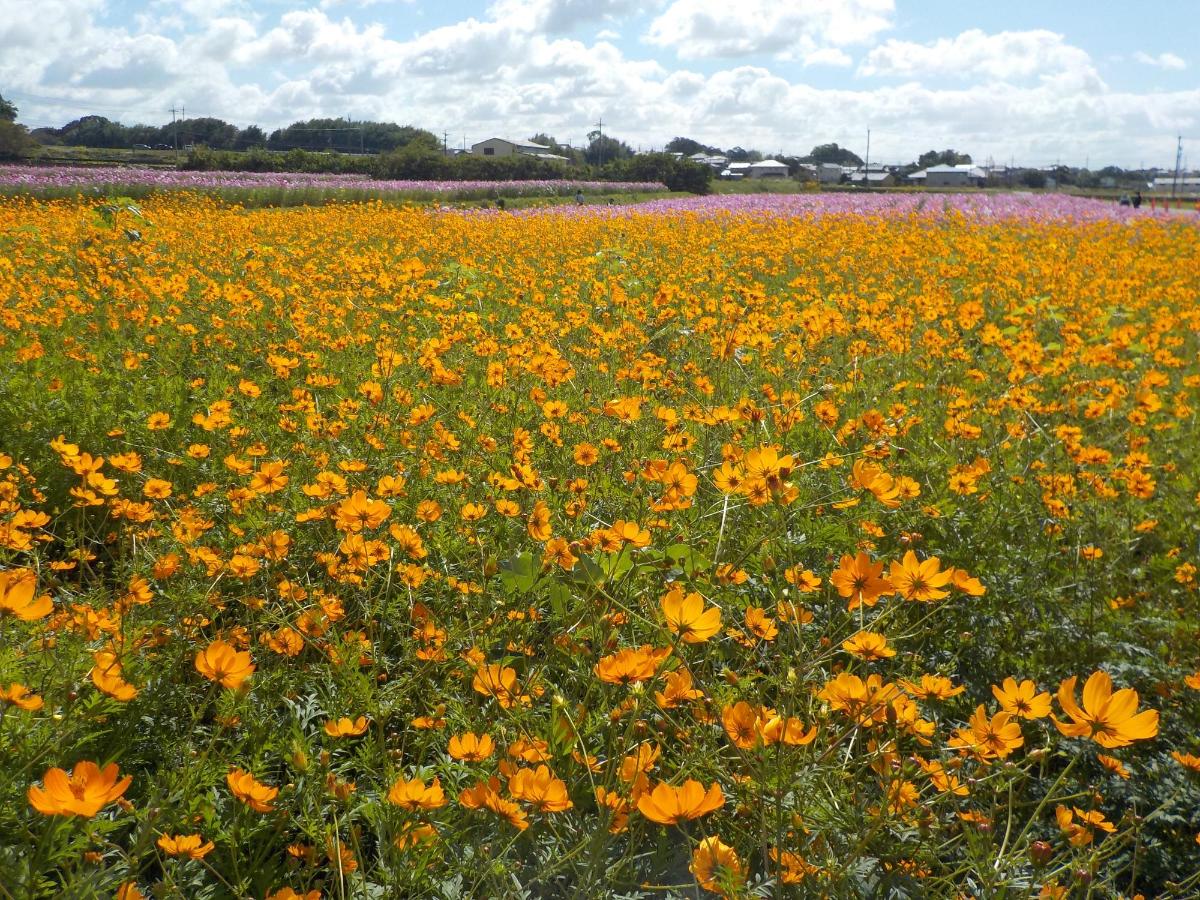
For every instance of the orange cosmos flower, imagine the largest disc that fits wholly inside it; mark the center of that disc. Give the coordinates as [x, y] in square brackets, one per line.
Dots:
[347, 727]
[269, 478]
[747, 726]
[670, 805]
[790, 730]
[741, 721]
[717, 867]
[541, 788]
[84, 792]
[486, 795]
[496, 681]
[920, 580]
[286, 893]
[249, 790]
[1082, 832]
[677, 690]
[760, 625]
[1108, 719]
[932, 687]
[868, 645]
[804, 580]
[19, 695]
[617, 806]
[220, 662]
[1022, 699]
[190, 846]
[969, 585]
[539, 522]
[860, 580]
[416, 795]
[1187, 760]
[793, 868]
[993, 738]
[628, 665]
[158, 421]
[470, 747]
[1193, 681]
[358, 512]
[17, 589]
[687, 616]
[1113, 765]
[867, 701]
[106, 675]
[631, 533]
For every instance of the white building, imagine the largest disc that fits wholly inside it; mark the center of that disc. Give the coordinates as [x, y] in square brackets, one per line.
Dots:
[767, 168]
[873, 178]
[1187, 184]
[506, 147]
[965, 175]
[829, 173]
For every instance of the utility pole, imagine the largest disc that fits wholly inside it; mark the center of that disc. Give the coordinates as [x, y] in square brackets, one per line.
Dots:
[867, 162]
[600, 140]
[175, 130]
[1178, 160]
[445, 145]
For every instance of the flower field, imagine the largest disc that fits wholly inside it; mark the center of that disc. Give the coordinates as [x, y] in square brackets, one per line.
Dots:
[63, 181]
[765, 547]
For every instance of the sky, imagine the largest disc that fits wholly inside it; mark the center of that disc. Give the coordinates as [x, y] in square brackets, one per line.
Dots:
[1037, 83]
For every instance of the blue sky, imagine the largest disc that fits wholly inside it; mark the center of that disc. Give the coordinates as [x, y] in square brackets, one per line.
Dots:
[1036, 82]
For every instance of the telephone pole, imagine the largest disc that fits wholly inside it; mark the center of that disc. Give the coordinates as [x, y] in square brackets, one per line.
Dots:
[175, 130]
[445, 146]
[1178, 160]
[600, 140]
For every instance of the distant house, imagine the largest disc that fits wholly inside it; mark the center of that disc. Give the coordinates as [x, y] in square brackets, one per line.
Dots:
[767, 168]
[965, 175]
[874, 178]
[506, 147]
[715, 162]
[1186, 184]
[829, 173]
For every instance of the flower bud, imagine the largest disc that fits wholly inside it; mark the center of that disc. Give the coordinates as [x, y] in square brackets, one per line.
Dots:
[1040, 853]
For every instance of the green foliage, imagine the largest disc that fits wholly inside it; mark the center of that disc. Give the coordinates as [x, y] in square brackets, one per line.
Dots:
[676, 174]
[832, 153]
[944, 158]
[15, 141]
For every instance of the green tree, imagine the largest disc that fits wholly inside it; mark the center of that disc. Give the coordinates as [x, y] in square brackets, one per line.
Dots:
[1033, 178]
[8, 110]
[604, 149]
[253, 136]
[832, 153]
[676, 174]
[943, 158]
[688, 147]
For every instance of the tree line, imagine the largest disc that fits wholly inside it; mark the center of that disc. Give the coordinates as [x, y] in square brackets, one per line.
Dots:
[390, 150]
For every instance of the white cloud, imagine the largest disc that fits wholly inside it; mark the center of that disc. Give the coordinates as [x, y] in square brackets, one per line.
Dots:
[719, 28]
[1162, 61]
[556, 16]
[828, 56]
[1005, 56]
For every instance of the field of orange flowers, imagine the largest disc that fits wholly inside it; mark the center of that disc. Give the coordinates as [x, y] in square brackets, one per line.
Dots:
[363, 551]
